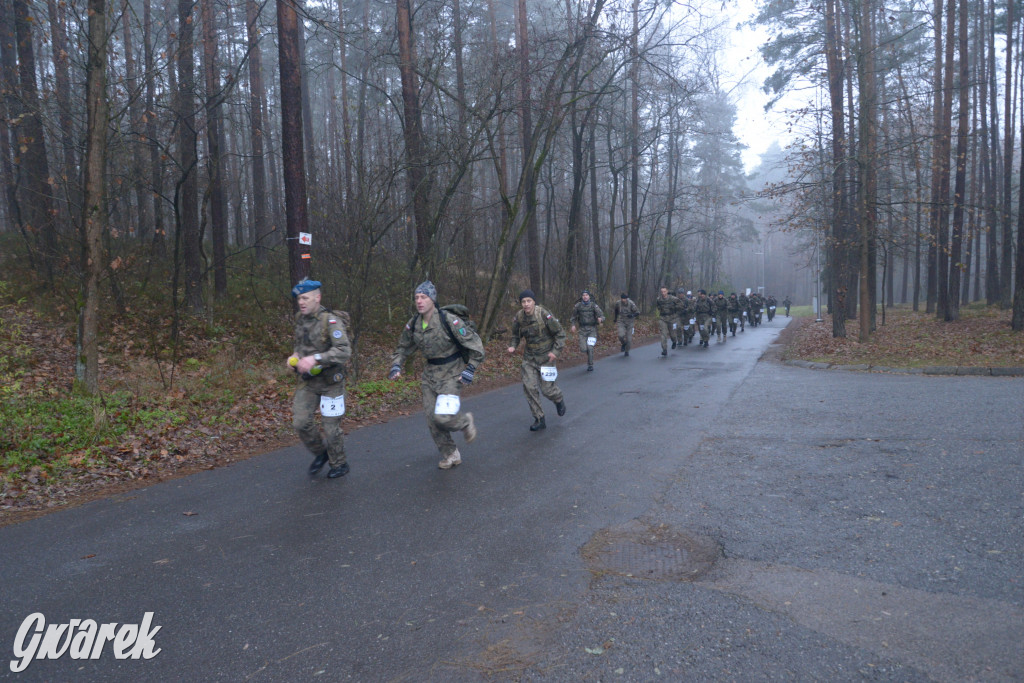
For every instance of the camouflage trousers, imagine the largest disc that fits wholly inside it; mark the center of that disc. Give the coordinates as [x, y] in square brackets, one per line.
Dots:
[442, 426]
[704, 326]
[625, 330]
[534, 387]
[671, 330]
[330, 439]
[585, 332]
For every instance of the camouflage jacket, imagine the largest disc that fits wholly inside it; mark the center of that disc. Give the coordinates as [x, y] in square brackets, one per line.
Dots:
[721, 307]
[586, 314]
[626, 311]
[669, 307]
[734, 305]
[704, 306]
[434, 342]
[542, 332]
[323, 333]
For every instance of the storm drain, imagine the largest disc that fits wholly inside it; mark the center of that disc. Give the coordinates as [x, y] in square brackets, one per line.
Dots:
[650, 551]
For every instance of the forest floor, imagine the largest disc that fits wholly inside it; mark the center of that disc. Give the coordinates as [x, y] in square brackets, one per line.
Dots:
[59, 449]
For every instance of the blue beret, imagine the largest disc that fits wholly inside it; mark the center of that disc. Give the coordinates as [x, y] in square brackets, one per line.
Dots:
[305, 286]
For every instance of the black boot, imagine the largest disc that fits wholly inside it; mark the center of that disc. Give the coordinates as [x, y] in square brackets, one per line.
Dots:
[560, 408]
[673, 345]
[317, 464]
[664, 352]
[339, 471]
[538, 425]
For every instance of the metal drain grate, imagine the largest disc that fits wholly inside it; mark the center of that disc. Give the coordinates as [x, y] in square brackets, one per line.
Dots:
[645, 551]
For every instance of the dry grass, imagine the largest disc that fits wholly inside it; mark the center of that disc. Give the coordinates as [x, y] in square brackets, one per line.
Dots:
[981, 338]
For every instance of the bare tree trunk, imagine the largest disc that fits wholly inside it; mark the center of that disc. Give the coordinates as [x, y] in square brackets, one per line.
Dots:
[188, 192]
[37, 197]
[956, 243]
[412, 127]
[8, 111]
[155, 165]
[526, 123]
[634, 154]
[838, 259]
[292, 136]
[142, 200]
[346, 124]
[62, 90]
[1005, 270]
[256, 123]
[867, 152]
[214, 145]
[94, 213]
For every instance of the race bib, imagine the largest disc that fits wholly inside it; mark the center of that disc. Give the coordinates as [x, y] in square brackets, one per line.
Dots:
[744, 314]
[771, 308]
[548, 373]
[693, 321]
[591, 341]
[735, 321]
[332, 406]
[674, 326]
[447, 404]
[686, 327]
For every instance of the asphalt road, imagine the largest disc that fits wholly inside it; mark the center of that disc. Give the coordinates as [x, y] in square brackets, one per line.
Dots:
[708, 516]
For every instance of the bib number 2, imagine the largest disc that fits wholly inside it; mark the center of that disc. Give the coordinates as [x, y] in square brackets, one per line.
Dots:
[332, 406]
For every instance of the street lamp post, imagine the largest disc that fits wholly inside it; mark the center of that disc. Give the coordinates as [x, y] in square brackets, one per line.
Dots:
[761, 287]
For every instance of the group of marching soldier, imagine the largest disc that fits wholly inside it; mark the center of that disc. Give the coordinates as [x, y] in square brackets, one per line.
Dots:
[453, 351]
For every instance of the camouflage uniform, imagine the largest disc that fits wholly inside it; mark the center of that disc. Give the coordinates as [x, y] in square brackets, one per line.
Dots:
[755, 309]
[625, 314]
[733, 313]
[543, 334]
[721, 316]
[689, 312]
[668, 320]
[787, 302]
[770, 304]
[443, 368]
[705, 308]
[323, 336]
[585, 316]
[744, 310]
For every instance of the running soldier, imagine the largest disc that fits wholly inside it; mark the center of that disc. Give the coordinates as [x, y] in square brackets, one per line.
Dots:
[787, 302]
[318, 358]
[588, 315]
[689, 317]
[733, 311]
[744, 302]
[453, 351]
[668, 318]
[545, 339]
[721, 316]
[625, 313]
[705, 307]
[756, 302]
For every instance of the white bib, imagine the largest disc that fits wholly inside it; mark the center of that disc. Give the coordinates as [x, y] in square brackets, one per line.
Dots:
[591, 341]
[447, 404]
[736, 321]
[332, 407]
[548, 373]
[693, 321]
[674, 326]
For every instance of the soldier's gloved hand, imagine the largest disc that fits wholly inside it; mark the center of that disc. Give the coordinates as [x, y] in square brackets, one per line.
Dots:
[467, 374]
[395, 372]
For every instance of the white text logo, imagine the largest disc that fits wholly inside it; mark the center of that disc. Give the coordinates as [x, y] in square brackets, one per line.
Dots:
[81, 639]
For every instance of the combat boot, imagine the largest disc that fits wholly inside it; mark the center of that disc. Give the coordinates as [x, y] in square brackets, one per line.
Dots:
[318, 463]
[590, 368]
[538, 424]
[560, 408]
[339, 471]
[664, 352]
[450, 461]
[470, 431]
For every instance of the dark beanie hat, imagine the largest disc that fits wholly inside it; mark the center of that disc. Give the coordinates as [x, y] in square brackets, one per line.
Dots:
[527, 293]
[623, 296]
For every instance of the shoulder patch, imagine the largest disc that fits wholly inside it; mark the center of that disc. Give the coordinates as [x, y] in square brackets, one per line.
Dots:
[407, 326]
[548, 316]
[332, 321]
[462, 331]
[337, 334]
